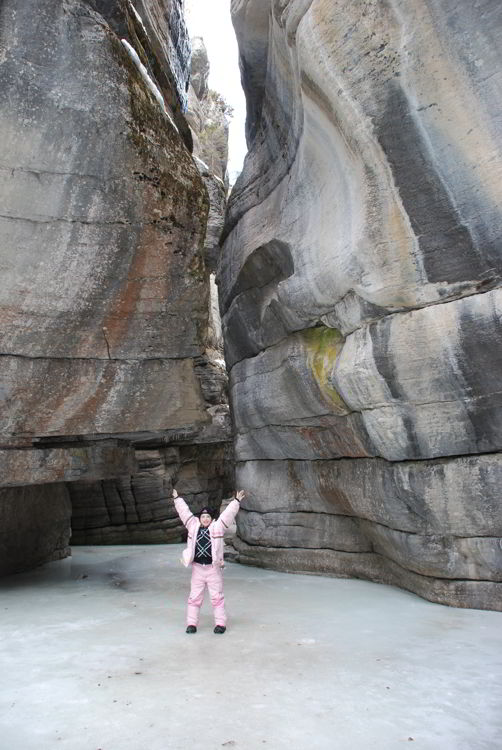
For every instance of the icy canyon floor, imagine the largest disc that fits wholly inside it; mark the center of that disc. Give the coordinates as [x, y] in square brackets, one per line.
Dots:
[94, 657]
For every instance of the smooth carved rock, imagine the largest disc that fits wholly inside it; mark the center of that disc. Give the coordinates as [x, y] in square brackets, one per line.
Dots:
[428, 378]
[459, 497]
[285, 405]
[440, 518]
[360, 290]
[303, 530]
[409, 212]
[429, 555]
[369, 399]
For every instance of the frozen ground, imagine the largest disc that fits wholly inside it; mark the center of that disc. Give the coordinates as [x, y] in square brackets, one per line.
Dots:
[93, 655]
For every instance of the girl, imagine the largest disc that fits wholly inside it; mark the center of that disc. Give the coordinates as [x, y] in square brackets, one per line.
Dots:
[204, 552]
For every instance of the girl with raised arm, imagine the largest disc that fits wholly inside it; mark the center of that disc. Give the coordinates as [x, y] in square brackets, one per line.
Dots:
[204, 552]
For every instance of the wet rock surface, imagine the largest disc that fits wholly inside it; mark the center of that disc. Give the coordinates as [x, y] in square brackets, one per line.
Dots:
[360, 290]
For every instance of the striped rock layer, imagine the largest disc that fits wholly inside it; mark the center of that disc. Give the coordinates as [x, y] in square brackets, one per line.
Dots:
[361, 295]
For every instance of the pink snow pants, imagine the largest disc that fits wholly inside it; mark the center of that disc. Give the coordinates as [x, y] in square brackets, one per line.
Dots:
[212, 577]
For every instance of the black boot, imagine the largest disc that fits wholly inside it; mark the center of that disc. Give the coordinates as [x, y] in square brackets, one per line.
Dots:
[219, 629]
[191, 629]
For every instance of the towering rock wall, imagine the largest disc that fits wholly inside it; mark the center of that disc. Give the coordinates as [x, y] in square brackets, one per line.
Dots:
[360, 286]
[105, 293]
[133, 508]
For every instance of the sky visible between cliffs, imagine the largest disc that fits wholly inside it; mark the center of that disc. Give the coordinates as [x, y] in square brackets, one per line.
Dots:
[210, 19]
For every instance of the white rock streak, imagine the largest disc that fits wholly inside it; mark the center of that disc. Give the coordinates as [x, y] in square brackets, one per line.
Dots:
[201, 165]
[149, 82]
[204, 169]
[138, 18]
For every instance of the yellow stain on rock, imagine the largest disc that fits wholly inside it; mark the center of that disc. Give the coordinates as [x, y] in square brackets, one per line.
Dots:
[323, 346]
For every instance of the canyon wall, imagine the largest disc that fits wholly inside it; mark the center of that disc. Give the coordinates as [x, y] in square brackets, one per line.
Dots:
[360, 288]
[134, 508]
[104, 301]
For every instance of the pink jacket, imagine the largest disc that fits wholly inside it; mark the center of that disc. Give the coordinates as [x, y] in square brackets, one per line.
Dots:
[216, 530]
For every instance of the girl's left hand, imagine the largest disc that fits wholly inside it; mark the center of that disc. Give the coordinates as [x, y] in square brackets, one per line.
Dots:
[240, 495]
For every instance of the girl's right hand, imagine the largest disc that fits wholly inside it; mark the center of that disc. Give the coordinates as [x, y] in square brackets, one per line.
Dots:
[175, 494]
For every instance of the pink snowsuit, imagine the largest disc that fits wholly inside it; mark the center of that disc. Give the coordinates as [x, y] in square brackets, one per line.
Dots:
[202, 575]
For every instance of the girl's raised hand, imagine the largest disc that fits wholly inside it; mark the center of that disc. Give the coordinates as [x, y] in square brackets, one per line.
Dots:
[240, 495]
[175, 494]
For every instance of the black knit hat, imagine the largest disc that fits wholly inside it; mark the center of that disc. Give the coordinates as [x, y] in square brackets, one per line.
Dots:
[206, 510]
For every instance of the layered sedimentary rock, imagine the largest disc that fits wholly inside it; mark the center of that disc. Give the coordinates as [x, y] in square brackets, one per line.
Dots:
[138, 509]
[105, 292]
[360, 286]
